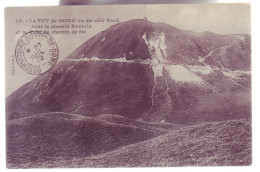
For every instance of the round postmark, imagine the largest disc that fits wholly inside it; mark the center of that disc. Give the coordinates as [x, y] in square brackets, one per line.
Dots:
[36, 52]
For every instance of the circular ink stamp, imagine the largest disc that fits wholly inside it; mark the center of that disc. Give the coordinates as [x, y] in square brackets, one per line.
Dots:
[36, 52]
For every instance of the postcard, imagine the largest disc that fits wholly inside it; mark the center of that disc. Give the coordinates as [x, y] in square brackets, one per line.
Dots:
[128, 86]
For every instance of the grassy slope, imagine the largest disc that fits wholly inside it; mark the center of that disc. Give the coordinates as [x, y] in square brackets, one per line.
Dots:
[220, 143]
[45, 137]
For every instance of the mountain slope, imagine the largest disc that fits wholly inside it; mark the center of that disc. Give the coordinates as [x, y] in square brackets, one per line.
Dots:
[86, 88]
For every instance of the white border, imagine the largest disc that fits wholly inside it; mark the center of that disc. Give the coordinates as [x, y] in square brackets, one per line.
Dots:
[255, 8]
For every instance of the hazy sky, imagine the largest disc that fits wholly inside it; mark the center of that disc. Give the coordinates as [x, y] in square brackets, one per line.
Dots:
[218, 18]
[221, 18]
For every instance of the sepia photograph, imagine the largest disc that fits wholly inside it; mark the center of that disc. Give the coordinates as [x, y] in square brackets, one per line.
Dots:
[166, 85]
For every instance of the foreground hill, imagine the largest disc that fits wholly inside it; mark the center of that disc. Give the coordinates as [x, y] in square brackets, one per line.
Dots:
[221, 143]
[49, 136]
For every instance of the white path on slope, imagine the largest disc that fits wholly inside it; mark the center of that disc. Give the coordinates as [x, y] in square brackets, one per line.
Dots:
[119, 60]
[235, 74]
[205, 70]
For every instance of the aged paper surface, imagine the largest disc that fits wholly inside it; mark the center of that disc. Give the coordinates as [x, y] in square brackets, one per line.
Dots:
[128, 86]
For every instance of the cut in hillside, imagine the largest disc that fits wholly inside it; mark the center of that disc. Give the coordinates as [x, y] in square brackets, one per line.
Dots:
[154, 126]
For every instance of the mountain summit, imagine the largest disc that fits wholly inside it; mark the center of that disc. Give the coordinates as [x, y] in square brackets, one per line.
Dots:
[137, 39]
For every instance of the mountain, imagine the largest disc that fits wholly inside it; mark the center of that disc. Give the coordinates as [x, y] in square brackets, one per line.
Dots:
[225, 143]
[146, 71]
[135, 80]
